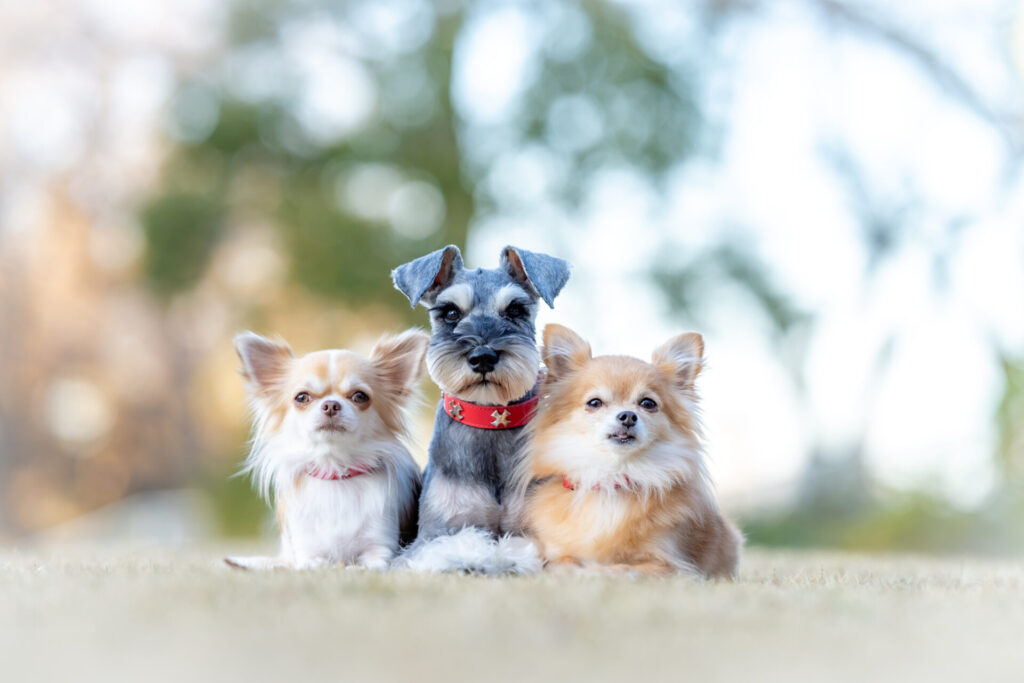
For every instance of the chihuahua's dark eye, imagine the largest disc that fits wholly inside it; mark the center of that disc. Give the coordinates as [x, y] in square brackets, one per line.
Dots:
[451, 314]
[648, 404]
[595, 403]
[359, 397]
[515, 310]
[302, 397]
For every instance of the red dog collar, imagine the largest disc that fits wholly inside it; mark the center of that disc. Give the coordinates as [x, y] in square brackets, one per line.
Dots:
[489, 417]
[331, 473]
[566, 484]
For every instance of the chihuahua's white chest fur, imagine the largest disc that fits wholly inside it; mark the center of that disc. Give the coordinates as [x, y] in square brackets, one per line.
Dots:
[354, 520]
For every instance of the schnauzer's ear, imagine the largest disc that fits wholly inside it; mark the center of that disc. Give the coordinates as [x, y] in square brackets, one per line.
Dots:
[564, 351]
[264, 362]
[428, 274]
[543, 274]
[681, 358]
[399, 358]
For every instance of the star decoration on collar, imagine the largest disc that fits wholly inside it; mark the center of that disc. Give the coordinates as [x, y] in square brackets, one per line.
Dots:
[456, 409]
[501, 419]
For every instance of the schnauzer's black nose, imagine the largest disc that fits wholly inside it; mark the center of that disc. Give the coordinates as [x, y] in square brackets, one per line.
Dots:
[330, 408]
[482, 359]
[627, 418]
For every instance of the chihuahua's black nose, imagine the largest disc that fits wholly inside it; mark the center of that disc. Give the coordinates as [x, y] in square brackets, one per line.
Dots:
[482, 359]
[627, 418]
[330, 408]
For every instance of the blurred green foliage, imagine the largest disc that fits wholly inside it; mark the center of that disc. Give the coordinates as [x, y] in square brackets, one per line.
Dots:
[648, 119]
[1010, 422]
[684, 283]
[181, 231]
[237, 511]
[914, 521]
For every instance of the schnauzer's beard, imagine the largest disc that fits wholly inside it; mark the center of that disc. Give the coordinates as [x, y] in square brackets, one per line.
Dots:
[512, 378]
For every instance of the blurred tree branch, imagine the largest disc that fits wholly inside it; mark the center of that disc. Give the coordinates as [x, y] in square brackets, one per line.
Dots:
[875, 25]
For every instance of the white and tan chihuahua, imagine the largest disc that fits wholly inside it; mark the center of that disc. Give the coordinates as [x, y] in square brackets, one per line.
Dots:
[327, 447]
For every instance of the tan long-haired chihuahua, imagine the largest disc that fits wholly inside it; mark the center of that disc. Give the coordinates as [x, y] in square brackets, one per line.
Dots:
[328, 445]
[614, 474]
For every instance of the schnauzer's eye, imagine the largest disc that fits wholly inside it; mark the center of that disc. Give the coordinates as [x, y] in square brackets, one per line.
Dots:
[302, 397]
[648, 404]
[359, 397]
[515, 310]
[595, 403]
[451, 314]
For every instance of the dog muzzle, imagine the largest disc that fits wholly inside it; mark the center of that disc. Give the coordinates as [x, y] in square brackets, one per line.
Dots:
[489, 417]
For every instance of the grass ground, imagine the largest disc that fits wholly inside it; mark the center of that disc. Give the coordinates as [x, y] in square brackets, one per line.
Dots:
[165, 615]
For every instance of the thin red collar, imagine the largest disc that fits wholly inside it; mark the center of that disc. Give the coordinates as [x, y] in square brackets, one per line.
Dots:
[566, 484]
[332, 473]
[489, 417]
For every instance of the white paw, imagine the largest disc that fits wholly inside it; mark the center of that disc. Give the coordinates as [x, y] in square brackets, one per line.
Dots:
[475, 551]
[376, 560]
[519, 555]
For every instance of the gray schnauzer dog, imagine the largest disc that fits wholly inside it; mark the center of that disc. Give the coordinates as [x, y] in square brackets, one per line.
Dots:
[483, 354]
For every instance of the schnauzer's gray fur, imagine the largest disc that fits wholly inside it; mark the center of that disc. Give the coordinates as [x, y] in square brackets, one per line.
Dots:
[469, 468]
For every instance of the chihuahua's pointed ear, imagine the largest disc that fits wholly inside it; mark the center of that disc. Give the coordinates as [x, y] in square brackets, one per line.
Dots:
[264, 362]
[399, 358]
[681, 358]
[541, 274]
[564, 351]
[427, 275]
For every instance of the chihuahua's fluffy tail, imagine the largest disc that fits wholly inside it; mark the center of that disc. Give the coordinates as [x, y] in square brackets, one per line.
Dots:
[472, 550]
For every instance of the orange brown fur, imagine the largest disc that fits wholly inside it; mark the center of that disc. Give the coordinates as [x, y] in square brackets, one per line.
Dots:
[564, 529]
[658, 520]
